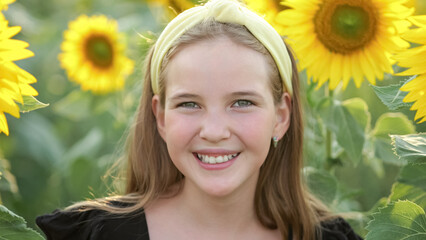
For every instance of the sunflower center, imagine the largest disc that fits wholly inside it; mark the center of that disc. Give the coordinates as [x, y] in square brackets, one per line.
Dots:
[99, 51]
[344, 26]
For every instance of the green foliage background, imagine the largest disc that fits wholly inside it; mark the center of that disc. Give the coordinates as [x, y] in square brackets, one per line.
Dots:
[59, 154]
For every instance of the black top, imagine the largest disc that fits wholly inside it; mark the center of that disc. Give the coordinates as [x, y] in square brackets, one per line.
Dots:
[99, 225]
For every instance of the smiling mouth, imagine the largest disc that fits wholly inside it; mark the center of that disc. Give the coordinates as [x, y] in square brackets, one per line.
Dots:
[215, 159]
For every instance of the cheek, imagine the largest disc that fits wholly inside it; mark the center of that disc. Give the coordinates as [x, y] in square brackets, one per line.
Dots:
[179, 128]
[180, 131]
[256, 128]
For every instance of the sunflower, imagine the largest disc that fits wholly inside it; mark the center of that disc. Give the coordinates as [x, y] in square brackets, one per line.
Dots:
[174, 7]
[14, 81]
[415, 60]
[337, 40]
[5, 3]
[93, 54]
[269, 9]
[419, 5]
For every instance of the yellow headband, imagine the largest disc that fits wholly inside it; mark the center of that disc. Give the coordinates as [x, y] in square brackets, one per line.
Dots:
[226, 11]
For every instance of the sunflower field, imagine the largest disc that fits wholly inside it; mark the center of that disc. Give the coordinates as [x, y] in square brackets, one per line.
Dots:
[70, 83]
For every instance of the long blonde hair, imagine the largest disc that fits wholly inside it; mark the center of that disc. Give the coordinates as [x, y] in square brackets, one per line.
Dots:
[281, 198]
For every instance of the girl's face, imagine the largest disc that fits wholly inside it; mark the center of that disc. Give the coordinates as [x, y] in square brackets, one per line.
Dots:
[219, 115]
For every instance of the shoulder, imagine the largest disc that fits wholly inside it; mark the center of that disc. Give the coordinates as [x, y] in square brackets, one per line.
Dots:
[338, 229]
[93, 224]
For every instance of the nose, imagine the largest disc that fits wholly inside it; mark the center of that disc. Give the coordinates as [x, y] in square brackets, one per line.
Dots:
[215, 127]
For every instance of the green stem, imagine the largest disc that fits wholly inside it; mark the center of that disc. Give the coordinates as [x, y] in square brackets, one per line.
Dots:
[328, 144]
[328, 141]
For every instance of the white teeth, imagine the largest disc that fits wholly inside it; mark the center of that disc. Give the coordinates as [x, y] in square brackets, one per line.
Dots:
[214, 160]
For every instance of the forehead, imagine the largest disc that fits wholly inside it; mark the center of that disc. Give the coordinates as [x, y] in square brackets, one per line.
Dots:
[218, 60]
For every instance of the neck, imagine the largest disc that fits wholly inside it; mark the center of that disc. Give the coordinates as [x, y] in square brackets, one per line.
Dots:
[235, 210]
[195, 214]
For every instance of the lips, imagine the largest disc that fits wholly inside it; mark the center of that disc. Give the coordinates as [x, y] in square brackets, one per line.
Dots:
[210, 159]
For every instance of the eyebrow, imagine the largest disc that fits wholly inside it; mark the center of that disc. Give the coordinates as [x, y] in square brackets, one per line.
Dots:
[246, 93]
[183, 96]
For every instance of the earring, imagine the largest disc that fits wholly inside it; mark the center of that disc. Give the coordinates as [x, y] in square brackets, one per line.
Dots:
[275, 141]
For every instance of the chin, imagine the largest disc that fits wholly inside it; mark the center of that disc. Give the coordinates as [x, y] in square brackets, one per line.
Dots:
[219, 190]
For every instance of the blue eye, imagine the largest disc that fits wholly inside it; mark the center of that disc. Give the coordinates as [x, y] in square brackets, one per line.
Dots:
[242, 103]
[188, 105]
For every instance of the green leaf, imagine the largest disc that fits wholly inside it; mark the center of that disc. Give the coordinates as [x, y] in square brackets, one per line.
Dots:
[376, 165]
[411, 148]
[84, 177]
[398, 220]
[41, 142]
[75, 106]
[418, 236]
[384, 151]
[393, 123]
[414, 174]
[14, 227]
[87, 147]
[387, 124]
[322, 184]
[31, 104]
[348, 132]
[411, 185]
[314, 152]
[382, 202]
[7, 179]
[391, 96]
[402, 191]
[359, 110]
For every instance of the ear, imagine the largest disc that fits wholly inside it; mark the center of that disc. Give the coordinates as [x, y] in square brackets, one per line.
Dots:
[158, 111]
[282, 111]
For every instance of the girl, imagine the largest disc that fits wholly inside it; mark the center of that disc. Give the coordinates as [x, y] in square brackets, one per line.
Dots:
[216, 149]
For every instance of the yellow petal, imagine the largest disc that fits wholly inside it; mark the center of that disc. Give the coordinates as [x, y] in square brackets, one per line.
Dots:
[417, 83]
[3, 124]
[346, 71]
[414, 70]
[418, 20]
[9, 32]
[15, 54]
[416, 35]
[356, 71]
[7, 44]
[12, 92]
[336, 71]
[8, 105]
[367, 67]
